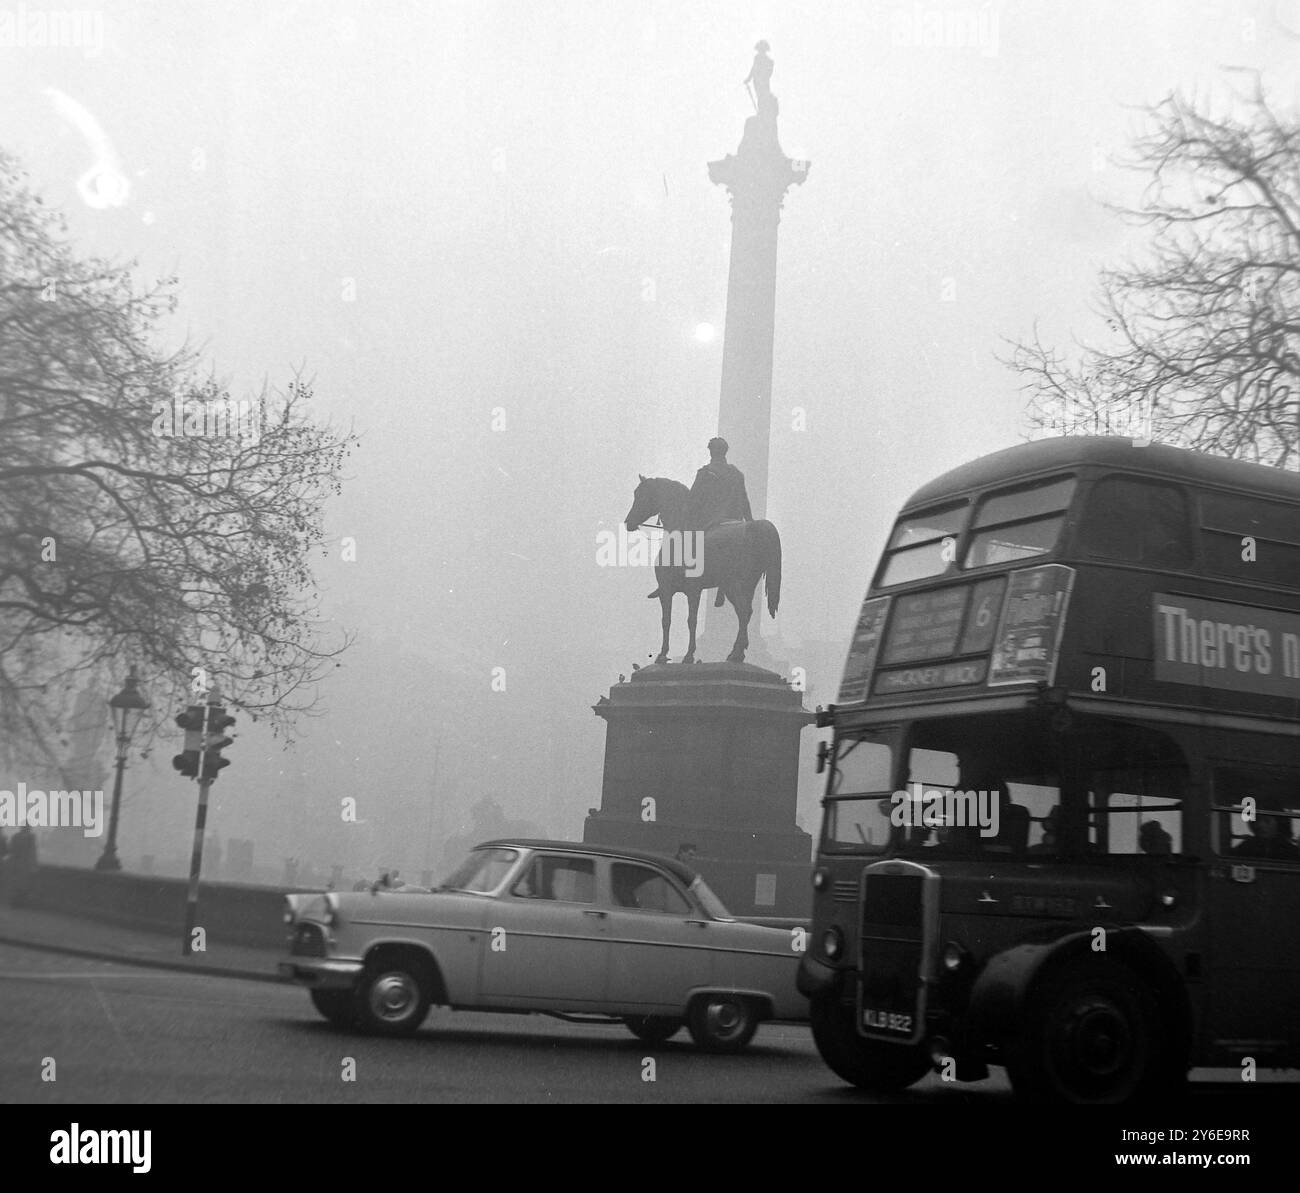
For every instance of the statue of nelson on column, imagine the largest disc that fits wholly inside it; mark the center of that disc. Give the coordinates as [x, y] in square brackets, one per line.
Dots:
[760, 75]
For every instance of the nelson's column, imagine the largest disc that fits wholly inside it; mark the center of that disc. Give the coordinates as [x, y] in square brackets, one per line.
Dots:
[702, 761]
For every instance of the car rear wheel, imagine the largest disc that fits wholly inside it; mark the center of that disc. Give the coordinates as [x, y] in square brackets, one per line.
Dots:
[336, 1005]
[869, 1064]
[653, 1029]
[392, 998]
[722, 1022]
[1091, 1035]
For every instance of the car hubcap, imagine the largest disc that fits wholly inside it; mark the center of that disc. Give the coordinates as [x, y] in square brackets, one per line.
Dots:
[725, 1019]
[393, 997]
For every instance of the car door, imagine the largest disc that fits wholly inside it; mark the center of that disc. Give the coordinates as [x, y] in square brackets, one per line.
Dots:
[659, 943]
[546, 942]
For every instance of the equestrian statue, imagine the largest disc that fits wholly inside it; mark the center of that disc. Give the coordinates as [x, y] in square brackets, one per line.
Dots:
[734, 552]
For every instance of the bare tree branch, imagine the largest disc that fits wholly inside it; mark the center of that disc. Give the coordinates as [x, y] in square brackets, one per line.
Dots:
[146, 518]
[1204, 347]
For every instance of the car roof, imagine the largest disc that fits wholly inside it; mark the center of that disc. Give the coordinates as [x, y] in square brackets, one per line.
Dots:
[682, 871]
[1026, 460]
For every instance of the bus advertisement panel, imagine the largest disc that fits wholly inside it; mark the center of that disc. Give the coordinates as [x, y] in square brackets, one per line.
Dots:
[1240, 648]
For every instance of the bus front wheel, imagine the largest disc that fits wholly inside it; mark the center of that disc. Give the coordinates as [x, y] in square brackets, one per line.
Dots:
[868, 1064]
[1091, 1035]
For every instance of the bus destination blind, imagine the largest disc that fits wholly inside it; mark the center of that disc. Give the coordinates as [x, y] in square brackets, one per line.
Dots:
[925, 625]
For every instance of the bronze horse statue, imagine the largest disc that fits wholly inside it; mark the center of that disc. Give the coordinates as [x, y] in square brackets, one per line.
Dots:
[734, 557]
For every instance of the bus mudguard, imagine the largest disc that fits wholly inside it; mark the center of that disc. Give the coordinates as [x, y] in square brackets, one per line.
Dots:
[1000, 993]
[815, 977]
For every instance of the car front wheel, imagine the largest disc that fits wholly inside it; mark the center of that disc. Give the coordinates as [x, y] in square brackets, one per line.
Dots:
[653, 1029]
[392, 999]
[722, 1022]
[336, 1005]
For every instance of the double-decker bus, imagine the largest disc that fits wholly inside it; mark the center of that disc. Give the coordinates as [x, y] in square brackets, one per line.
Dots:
[1060, 822]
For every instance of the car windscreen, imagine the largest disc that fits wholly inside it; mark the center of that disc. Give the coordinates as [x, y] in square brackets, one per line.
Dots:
[482, 871]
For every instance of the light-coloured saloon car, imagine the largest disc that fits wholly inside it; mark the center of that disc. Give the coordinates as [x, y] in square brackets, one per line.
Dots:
[549, 926]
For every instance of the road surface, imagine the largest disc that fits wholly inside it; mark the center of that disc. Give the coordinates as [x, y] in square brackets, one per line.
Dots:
[118, 1033]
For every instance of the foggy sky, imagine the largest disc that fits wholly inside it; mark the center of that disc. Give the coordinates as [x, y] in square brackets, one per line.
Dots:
[496, 182]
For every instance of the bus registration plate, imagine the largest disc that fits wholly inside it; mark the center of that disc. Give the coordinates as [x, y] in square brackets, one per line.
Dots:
[893, 1022]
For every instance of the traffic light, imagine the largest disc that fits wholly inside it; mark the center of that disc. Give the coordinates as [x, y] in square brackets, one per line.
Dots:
[191, 720]
[216, 740]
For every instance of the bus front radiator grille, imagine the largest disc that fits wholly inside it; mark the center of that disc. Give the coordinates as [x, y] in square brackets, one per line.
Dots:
[892, 902]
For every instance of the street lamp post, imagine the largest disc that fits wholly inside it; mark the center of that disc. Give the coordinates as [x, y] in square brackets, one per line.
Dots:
[127, 707]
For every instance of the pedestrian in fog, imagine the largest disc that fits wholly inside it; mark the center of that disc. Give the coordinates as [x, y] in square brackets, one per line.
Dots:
[21, 863]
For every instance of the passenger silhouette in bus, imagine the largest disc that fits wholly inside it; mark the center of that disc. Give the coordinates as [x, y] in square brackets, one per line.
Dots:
[1153, 840]
[969, 838]
[1051, 833]
[1270, 838]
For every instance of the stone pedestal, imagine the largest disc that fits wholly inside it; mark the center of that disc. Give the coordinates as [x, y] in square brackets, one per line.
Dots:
[707, 755]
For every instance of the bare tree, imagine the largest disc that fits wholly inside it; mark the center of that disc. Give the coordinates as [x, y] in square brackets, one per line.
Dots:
[146, 518]
[1205, 330]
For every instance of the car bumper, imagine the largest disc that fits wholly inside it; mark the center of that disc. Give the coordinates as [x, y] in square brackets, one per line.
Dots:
[321, 973]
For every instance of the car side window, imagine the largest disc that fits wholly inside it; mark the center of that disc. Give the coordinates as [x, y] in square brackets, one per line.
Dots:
[559, 879]
[640, 888]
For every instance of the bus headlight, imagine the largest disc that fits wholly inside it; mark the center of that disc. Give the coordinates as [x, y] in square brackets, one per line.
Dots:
[954, 956]
[833, 943]
[821, 878]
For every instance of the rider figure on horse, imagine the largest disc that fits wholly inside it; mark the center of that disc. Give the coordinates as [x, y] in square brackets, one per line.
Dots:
[718, 494]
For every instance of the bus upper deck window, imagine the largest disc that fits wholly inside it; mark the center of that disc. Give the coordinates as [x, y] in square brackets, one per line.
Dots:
[916, 549]
[1227, 520]
[1019, 523]
[1137, 521]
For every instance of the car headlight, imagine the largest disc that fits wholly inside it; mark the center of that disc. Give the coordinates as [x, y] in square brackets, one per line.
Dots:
[833, 943]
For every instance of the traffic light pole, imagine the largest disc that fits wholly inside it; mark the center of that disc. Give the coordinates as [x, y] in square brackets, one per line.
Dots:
[196, 864]
[205, 737]
[196, 855]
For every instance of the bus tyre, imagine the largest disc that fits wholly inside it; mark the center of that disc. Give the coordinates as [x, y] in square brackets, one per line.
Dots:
[336, 1005]
[868, 1064]
[1090, 1035]
[653, 1029]
[722, 1022]
[392, 998]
